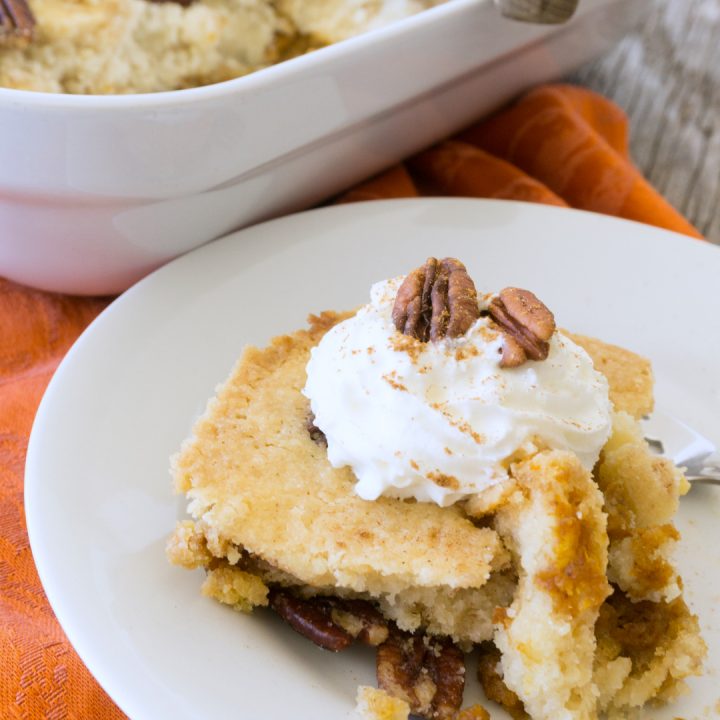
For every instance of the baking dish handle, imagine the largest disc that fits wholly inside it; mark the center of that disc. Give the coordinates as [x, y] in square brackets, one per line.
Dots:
[549, 12]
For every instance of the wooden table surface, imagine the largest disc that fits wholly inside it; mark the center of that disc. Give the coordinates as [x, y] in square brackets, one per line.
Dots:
[666, 76]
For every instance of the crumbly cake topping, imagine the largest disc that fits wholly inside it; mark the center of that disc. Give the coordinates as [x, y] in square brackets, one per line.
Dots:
[629, 375]
[308, 519]
[137, 46]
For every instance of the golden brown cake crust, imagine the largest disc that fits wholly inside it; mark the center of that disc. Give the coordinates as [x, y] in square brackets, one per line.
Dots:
[628, 374]
[255, 476]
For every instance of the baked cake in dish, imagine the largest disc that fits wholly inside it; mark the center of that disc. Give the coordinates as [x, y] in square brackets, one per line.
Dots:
[440, 471]
[101, 47]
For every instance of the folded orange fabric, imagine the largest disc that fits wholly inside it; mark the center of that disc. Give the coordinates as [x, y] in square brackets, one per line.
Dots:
[559, 145]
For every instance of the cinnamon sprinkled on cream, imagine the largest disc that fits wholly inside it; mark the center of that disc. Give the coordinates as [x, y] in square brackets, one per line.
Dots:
[446, 404]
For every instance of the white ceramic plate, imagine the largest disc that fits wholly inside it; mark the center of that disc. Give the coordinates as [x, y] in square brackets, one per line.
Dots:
[98, 496]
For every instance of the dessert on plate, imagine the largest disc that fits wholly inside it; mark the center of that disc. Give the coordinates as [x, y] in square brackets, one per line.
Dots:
[444, 470]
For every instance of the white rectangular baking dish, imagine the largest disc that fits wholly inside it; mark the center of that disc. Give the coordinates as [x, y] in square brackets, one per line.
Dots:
[96, 191]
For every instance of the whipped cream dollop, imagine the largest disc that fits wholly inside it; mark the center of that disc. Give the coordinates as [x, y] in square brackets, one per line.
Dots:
[439, 421]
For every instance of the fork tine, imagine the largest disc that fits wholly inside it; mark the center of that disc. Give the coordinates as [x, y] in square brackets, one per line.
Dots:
[685, 446]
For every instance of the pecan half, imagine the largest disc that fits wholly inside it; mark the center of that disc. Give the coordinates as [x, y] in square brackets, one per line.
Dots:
[435, 301]
[527, 325]
[360, 619]
[332, 623]
[427, 673]
[311, 619]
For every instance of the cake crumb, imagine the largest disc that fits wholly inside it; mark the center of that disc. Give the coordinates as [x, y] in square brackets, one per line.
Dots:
[374, 704]
[187, 547]
[474, 712]
[236, 588]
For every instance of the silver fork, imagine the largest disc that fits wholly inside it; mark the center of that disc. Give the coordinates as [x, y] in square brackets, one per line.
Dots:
[548, 12]
[685, 446]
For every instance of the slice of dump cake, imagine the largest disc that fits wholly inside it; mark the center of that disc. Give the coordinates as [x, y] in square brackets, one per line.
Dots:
[442, 470]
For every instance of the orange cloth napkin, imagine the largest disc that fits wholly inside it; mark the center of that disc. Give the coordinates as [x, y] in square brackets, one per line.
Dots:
[559, 145]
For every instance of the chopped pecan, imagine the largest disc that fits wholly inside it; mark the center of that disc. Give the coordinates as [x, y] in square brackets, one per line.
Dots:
[435, 301]
[330, 622]
[527, 325]
[17, 23]
[493, 684]
[311, 619]
[360, 619]
[316, 434]
[401, 672]
[448, 668]
[427, 673]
